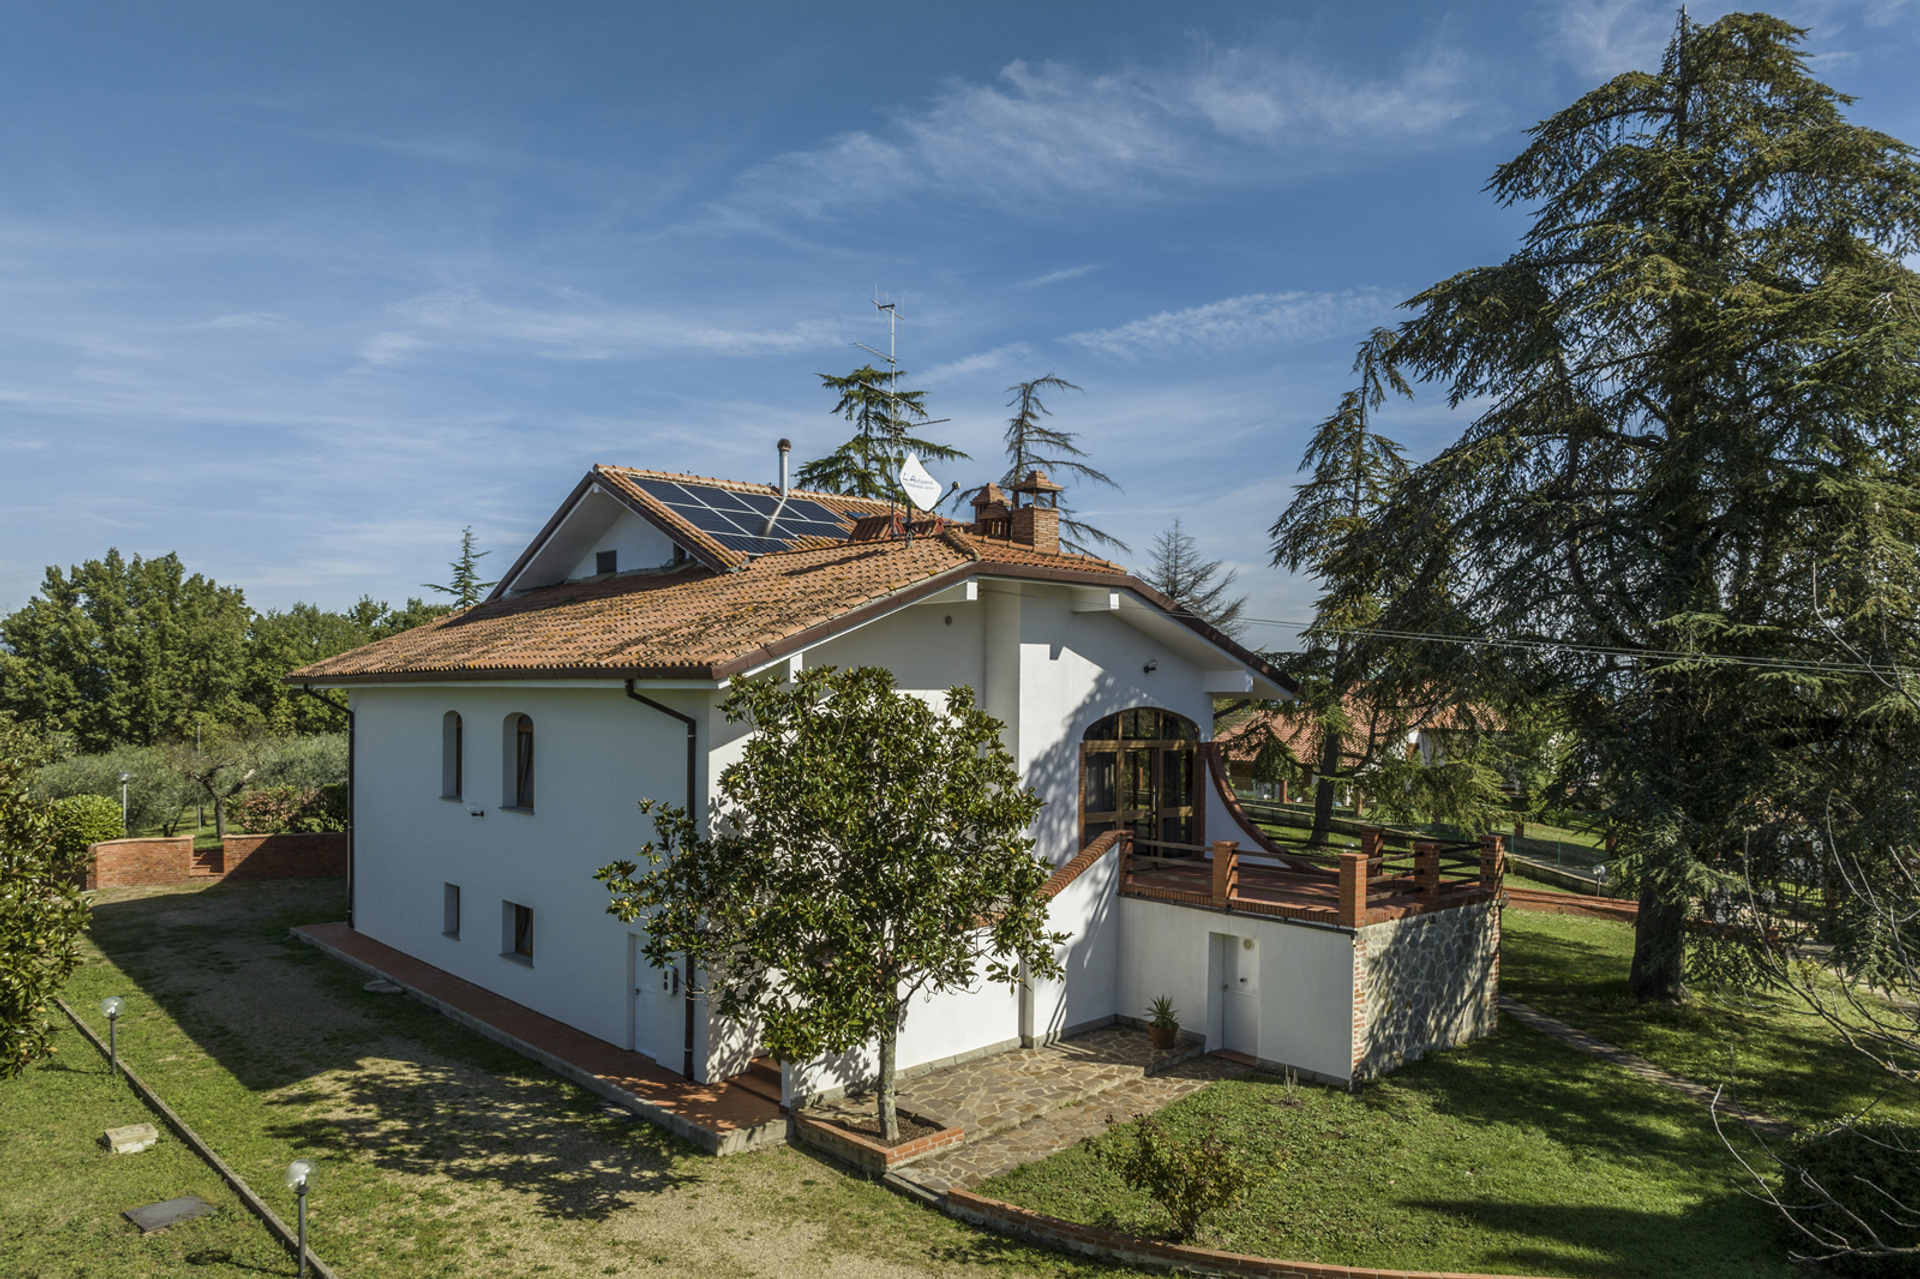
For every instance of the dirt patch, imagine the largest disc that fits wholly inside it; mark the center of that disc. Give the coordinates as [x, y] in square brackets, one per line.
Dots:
[867, 1127]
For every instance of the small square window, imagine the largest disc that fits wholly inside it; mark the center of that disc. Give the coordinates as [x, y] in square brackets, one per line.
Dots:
[450, 907]
[606, 562]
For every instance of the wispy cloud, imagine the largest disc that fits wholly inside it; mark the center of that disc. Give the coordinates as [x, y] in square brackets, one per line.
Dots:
[389, 348]
[587, 328]
[1240, 324]
[243, 320]
[1607, 37]
[1068, 273]
[985, 361]
[1044, 134]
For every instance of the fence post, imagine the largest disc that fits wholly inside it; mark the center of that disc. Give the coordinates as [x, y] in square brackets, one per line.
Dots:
[1372, 842]
[1426, 868]
[1353, 889]
[1493, 862]
[1226, 871]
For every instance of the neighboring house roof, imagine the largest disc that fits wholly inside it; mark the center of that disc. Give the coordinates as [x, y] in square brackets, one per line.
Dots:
[1242, 735]
[702, 622]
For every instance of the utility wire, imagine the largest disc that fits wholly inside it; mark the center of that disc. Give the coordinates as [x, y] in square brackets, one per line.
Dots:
[1718, 659]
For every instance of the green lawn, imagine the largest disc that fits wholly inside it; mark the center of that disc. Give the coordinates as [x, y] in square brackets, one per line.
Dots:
[62, 1193]
[1782, 1060]
[440, 1153]
[1515, 1155]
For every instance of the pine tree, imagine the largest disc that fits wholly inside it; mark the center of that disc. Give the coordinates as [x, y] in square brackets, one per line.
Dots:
[467, 589]
[1359, 696]
[867, 464]
[1700, 380]
[1178, 572]
[1032, 445]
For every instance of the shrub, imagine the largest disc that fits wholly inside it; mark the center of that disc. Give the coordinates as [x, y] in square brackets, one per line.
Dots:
[80, 821]
[1189, 1179]
[42, 914]
[1871, 1170]
[277, 810]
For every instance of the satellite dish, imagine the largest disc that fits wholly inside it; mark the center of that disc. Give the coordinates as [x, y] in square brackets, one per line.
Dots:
[921, 487]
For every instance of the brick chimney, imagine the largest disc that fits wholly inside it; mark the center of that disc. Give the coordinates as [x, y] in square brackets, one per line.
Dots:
[1036, 521]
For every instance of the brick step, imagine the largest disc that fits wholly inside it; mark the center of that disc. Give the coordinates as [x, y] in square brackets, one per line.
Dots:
[210, 861]
[758, 1086]
[765, 1068]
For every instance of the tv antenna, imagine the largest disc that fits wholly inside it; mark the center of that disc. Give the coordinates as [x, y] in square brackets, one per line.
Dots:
[896, 425]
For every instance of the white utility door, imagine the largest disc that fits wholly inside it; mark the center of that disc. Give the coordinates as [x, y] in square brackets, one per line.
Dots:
[656, 1023]
[643, 994]
[1240, 996]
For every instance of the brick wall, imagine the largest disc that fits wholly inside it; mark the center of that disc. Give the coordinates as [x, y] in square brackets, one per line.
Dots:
[117, 863]
[285, 856]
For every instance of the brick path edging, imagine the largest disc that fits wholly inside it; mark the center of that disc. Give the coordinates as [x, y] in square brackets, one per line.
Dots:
[1106, 1245]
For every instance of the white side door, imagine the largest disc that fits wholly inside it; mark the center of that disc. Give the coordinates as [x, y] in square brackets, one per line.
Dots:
[1240, 1030]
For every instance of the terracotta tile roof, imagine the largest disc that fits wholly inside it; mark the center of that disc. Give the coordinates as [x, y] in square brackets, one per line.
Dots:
[696, 623]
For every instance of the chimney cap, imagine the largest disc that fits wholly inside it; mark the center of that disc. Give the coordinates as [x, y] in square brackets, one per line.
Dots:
[1037, 483]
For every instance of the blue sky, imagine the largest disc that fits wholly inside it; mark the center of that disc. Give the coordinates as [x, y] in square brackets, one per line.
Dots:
[299, 291]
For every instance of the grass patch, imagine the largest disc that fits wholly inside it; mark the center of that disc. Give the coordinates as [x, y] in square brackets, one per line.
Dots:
[1515, 1154]
[62, 1193]
[1782, 1060]
[439, 1152]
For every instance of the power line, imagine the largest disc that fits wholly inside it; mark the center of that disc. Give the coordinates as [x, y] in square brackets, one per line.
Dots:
[1786, 665]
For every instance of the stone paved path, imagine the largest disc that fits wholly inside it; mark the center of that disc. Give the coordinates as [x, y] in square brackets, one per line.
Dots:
[993, 1094]
[968, 1165]
[1577, 1038]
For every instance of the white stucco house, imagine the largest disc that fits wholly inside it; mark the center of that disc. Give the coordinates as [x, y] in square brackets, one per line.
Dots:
[498, 755]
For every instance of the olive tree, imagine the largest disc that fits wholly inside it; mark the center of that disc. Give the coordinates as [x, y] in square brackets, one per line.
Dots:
[869, 848]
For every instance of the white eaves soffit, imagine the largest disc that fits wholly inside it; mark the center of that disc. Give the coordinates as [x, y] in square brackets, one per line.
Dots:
[1225, 674]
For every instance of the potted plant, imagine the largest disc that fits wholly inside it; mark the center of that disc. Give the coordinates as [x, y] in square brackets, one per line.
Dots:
[1163, 1023]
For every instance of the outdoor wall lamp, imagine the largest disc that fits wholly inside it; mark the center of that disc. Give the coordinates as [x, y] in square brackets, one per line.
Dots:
[1152, 665]
[476, 811]
[112, 1006]
[298, 1174]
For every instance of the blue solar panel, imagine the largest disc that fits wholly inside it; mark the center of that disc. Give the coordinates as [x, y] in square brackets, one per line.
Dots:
[735, 520]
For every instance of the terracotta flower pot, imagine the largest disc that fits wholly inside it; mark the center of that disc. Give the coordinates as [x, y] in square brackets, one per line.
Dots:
[1164, 1037]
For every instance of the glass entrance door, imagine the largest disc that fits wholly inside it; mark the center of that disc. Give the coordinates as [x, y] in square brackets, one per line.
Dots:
[1137, 774]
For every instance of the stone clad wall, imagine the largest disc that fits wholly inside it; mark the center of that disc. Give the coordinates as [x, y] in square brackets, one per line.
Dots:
[1425, 982]
[117, 863]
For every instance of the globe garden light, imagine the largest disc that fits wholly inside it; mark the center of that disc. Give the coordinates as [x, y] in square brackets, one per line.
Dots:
[112, 1006]
[124, 779]
[299, 1173]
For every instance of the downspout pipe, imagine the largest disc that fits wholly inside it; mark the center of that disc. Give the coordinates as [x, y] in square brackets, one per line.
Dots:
[322, 697]
[693, 757]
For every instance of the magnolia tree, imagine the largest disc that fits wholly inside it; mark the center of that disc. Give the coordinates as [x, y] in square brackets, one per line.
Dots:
[869, 848]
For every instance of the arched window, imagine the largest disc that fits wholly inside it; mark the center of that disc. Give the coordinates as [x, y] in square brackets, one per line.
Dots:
[452, 756]
[1137, 774]
[517, 755]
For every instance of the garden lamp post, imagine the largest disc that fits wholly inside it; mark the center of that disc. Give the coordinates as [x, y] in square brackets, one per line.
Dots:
[298, 1174]
[124, 779]
[112, 1006]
